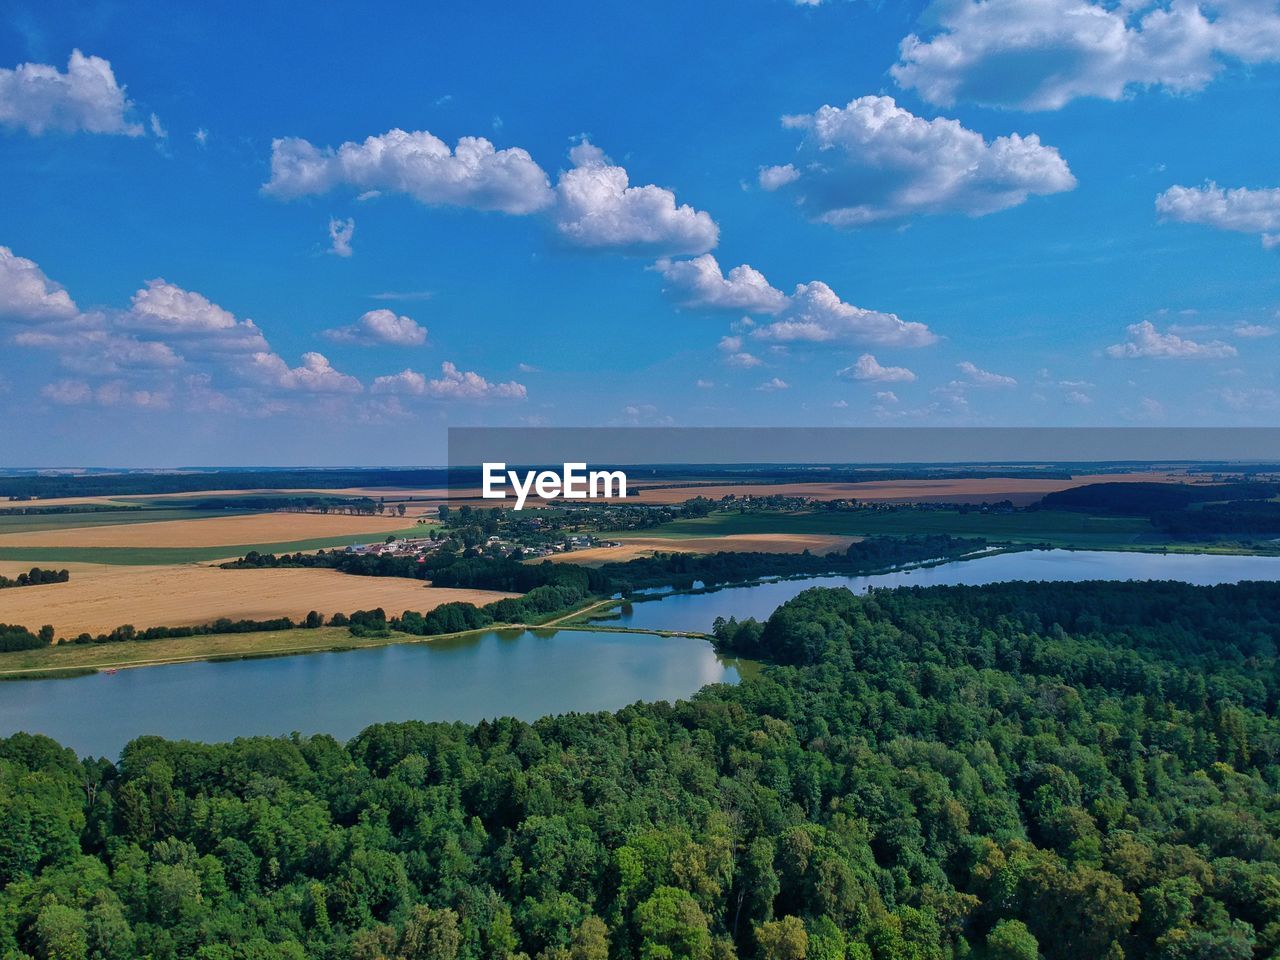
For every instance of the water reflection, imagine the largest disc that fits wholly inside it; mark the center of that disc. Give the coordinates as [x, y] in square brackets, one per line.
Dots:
[527, 674]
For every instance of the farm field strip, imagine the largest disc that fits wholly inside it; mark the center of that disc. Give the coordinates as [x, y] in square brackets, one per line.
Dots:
[96, 600]
[216, 530]
[167, 556]
[26, 523]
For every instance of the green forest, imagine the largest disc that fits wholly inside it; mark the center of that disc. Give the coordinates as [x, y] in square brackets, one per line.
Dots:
[1068, 771]
[1190, 511]
[469, 569]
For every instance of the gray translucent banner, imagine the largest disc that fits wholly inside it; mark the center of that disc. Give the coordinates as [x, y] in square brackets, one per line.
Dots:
[469, 447]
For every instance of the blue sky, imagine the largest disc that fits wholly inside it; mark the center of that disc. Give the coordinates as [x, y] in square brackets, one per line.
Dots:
[1032, 212]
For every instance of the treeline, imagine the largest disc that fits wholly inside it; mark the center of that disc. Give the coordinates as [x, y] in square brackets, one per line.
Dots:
[14, 637]
[540, 601]
[318, 504]
[1148, 499]
[127, 633]
[682, 570]
[1245, 517]
[995, 773]
[443, 569]
[1189, 511]
[59, 509]
[1226, 631]
[34, 577]
[459, 616]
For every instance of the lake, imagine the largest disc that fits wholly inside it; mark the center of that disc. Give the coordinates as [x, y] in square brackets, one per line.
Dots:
[525, 674]
[697, 611]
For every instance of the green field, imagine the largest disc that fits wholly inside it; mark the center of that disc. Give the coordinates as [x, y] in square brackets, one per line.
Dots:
[1060, 528]
[157, 556]
[104, 518]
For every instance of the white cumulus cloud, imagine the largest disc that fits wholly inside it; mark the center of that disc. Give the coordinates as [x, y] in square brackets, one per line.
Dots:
[772, 178]
[381, 327]
[315, 375]
[596, 207]
[984, 378]
[166, 309]
[735, 356]
[40, 98]
[27, 295]
[872, 161]
[1042, 54]
[91, 348]
[473, 174]
[1241, 210]
[868, 368]
[452, 384]
[817, 315]
[1145, 341]
[699, 284]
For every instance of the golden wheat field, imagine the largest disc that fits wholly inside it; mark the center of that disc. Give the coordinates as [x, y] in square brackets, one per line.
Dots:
[209, 531]
[100, 597]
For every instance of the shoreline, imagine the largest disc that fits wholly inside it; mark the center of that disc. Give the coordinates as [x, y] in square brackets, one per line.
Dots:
[47, 663]
[227, 647]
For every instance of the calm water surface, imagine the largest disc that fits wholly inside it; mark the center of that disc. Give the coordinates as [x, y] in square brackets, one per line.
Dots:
[512, 673]
[509, 673]
[698, 611]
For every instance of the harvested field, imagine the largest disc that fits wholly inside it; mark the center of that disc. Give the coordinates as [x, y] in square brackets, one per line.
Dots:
[633, 547]
[390, 494]
[101, 597]
[210, 531]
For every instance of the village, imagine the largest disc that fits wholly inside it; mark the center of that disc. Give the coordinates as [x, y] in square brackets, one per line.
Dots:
[494, 546]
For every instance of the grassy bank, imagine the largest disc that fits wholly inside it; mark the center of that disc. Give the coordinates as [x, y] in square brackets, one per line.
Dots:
[85, 658]
[102, 656]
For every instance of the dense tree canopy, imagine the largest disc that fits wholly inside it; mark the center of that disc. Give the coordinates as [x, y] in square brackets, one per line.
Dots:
[1005, 772]
[34, 578]
[1200, 511]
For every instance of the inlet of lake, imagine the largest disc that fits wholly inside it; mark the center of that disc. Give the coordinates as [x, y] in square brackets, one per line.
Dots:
[526, 674]
[697, 611]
